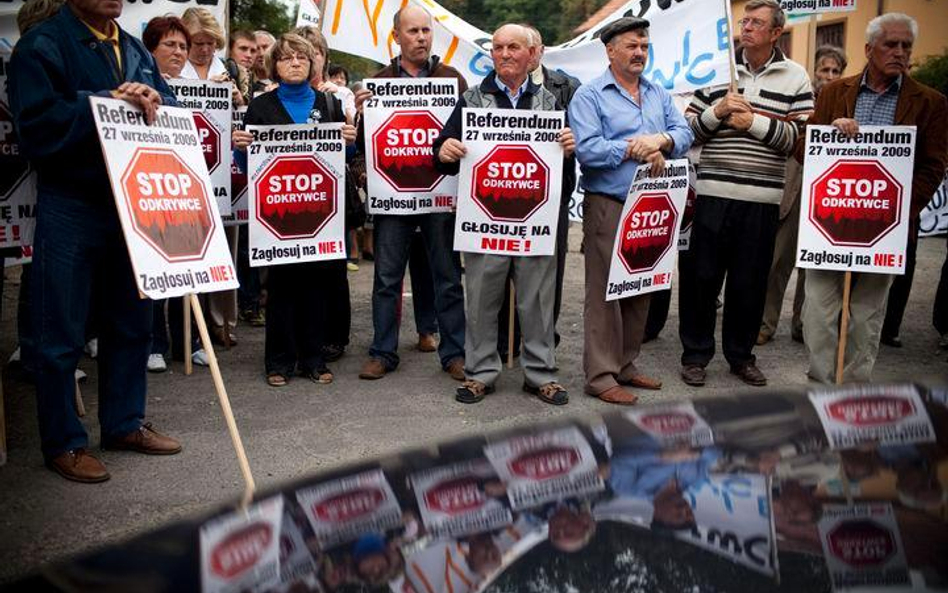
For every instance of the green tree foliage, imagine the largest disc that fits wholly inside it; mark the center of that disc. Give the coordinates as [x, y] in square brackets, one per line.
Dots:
[933, 72]
[555, 19]
[272, 15]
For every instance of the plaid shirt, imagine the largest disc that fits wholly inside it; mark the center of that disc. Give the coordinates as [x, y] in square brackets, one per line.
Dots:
[877, 109]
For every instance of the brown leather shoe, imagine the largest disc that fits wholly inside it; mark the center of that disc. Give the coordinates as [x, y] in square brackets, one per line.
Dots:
[427, 343]
[145, 440]
[455, 368]
[77, 465]
[618, 395]
[642, 382]
[372, 369]
[693, 375]
[750, 374]
[763, 338]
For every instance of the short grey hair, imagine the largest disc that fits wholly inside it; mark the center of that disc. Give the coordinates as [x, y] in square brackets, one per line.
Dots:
[778, 18]
[877, 25]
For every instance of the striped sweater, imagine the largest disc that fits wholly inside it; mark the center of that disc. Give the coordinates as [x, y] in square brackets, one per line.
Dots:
[749, 165]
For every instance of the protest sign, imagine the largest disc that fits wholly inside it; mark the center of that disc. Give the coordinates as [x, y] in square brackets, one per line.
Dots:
[17, 178]
[732, 518]
[805, 7]
[25, 257]
[341, 510]
[296, 561]
[238, 179]
[309, 14]
[210, 102]
[673, 424]
[934, 218]
[454, 500]
[687, 217]
[510, 182]
[241, 551]
[863, 547]
[402, 121]
[645, 248]
[854, 209]
[545, 467]
[872, 414]
[296, 197]
[165, 200]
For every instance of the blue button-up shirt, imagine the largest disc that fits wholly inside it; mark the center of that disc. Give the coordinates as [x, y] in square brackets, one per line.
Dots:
[513, 94]
[603, 116]
[877, 109]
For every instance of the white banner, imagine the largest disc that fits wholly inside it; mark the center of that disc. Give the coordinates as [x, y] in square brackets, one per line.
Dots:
[239, 210]
[646, 244]
[934, 218]
[857, 192]
[241, 551]
[689, 43]
[17, 178]
[296, 176]
[545, 467]
[673, 424]
[165, 200]
[806, 7]
[402, 121]
[863, 547]
[210, 102]
[510, 184]
[872, 414]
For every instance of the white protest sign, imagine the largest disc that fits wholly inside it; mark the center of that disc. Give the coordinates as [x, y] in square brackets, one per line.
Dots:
[239, 212]
[673, 424]
[241, 551]
[733, 519]
[857, 192]
[804, 7]
[341, 510]
[863, 547]
[296, 560]
[309, 14]
[454, 500]
[545, 467]
[934, 217]
[210, 102]
[510, 184]
[296, 176]
[872, 414]
[17, 178]
[402, 121]
[165, 200]
[687, 217]
[646, 244]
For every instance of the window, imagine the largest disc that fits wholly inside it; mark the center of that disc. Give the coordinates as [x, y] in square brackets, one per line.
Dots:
[831, 34]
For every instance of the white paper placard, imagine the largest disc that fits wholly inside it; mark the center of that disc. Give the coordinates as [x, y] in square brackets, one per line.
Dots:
[241, 551]
[17, 178]
[454, 502]
[239, 212]
[673, 424]
[863, 547]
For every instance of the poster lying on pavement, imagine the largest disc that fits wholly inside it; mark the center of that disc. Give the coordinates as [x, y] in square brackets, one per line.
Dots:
[863, 547]
[241, 551]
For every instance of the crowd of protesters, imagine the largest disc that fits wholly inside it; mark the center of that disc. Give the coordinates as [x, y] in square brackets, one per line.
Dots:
[746, 142]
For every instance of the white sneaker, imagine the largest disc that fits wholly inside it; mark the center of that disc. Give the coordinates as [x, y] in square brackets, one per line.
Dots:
[156, 363]
[92, 348]
[199, 357]
[15, 357]
[81, 376]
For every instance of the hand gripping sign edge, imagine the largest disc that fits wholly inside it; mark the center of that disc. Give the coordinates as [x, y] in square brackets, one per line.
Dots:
[424, 175]
[632, 261]
[843, 235]
[312, 224]
[532, 169]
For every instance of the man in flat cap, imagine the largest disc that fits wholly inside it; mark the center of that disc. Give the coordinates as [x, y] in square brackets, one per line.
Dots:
[620, 121]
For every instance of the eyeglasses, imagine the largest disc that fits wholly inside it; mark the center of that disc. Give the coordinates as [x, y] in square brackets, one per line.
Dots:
[173, 45]
[291, 57]
[747, 23]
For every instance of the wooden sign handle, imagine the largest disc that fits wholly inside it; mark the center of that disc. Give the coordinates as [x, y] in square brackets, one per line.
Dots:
[843, 329]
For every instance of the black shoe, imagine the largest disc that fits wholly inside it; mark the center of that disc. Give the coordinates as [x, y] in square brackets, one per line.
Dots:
[893, 341]
[333, 352]
[693, 375]
[750, 374]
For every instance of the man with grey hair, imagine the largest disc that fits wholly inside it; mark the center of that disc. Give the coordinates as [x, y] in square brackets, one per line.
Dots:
[883, 94]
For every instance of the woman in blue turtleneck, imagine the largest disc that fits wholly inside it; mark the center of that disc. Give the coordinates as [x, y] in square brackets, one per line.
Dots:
[296, 293]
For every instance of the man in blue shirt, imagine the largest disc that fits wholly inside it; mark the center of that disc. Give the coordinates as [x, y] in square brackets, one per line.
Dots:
[620, 121]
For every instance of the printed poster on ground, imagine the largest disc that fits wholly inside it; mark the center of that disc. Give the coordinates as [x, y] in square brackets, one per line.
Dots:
[238, 179]
[165, 200]
[297, 193]
[646, 244]
[17, 178]
[510, 183]
[687, 217]
[210, 102]
[863, 547]
[402, 121]
[857, 192]
[673, 424]
[241, 551]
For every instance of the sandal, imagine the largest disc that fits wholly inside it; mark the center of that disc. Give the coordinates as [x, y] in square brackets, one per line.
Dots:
[471, 392]
[323, 377]
[276, 380]
[552, 393]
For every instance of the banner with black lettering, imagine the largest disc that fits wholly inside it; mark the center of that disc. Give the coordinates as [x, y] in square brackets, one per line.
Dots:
[934, 217]
[461, 499]
[17, 178]
[646, 244]
[296, 176]
[857, 192]
[238, 179]
[808, 7]
[165, 200]
[210, 102]
[402, 120]
[510, 182]
[863, 547]
[241, 551]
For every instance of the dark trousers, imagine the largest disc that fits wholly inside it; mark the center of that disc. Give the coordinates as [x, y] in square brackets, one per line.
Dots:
[657, 313]
[248, 295]
[901, 287]
[171, 323]
[80, 262]
[729, 238]
[422, 287]
[338, 306]
[940, 309]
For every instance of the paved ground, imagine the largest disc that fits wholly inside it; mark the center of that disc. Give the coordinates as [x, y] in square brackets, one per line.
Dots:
[305, 428]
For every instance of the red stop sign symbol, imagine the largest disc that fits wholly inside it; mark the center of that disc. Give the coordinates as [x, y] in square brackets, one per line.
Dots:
[545, 463]
[689, 213]
[349, 505]
[855, 203]
[15, 168]
[241, 550]
[647, 232]
[210, 140]
[511, 183]
[871, 411]
[168, 205]
[861, 543]
[296, 197]
[403, 154]
[455, 496]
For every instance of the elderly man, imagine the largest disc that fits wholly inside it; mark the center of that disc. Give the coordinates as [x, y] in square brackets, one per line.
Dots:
[746, 137]
[80, 258]
[881, 95]
[507, 87]
[412, 29]
[621, 121]
[830, 63]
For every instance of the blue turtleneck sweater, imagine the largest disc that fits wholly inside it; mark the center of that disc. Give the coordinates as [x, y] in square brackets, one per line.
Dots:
[297, 99]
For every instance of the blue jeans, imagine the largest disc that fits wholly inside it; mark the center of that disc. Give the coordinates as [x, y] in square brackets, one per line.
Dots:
[393, 237]
[422, 287]
[80, 264]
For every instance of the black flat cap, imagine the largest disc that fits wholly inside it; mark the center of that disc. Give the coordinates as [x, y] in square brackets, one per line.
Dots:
[620, 26]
